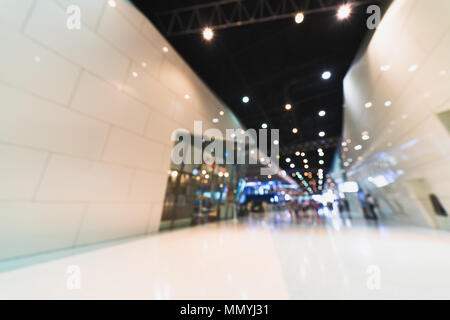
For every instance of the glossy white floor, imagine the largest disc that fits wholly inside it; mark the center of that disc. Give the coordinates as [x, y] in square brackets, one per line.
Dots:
[254, 259]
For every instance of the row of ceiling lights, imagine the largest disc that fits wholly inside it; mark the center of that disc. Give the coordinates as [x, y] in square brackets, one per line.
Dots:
[342, 13]
[365, 134]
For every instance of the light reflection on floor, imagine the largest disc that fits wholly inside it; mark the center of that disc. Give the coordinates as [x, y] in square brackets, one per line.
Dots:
[272, 256]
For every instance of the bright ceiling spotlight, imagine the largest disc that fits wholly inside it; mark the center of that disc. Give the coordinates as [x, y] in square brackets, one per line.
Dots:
[344, 11]
[165, 49]
[299, 17]
[288, 106]
[413, 68]
[288, 160]
[295, 131]
[385, 67]
[321, 162]
[208, 34]
[321, 134]
[322, 113]
[305, 160]
[112, 3]
[245, 99]
[306, 166]
[292, 165]
[215, 120]
[264, 126]
[388, 103]
[276, 142]
[358, 147]
[365, 137]
[326, 75]
[303, 154]
[368, 105]
[297, 153]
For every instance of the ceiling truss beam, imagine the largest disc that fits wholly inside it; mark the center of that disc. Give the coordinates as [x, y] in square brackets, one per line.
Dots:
[224, 14]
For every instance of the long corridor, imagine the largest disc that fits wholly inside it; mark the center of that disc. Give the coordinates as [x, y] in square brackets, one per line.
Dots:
[266, 257]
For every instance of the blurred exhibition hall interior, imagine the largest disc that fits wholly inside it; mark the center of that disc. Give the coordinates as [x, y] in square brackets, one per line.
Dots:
[224, 149]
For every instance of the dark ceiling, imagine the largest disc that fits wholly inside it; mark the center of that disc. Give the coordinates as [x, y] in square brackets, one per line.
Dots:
[275, 63]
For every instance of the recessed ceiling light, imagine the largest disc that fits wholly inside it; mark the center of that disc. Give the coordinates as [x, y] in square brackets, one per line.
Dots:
[299, 17]
[305, 160]
[221, 113]
[322, 113]
[413, 68]
[385, 68]
[208, 34]
[288, 160]
[297, 153]
[321, 162]
[215, 120]
[186, 96]
[288, 106]
[365, 137]
[276, 142]
[344, 11]
[326, 75]
[112, 3]
[321, 134]
[292, 165]
[368, 105]
[245, 99]
[358, 147]
[294, 130]
[135, 74]
[388, 103]
[264, 126]
[303, 154]
[165, 49]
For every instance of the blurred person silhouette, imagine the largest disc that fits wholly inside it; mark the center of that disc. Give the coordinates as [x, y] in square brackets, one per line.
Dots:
[371, 205]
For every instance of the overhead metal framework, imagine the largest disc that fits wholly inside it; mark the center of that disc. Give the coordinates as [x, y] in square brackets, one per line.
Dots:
[325, 143]
[232, 13]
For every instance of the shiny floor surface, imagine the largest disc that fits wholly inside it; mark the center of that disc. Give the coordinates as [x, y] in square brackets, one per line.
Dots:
[270, 257]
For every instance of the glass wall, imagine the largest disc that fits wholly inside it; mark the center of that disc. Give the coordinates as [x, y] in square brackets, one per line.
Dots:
[201, 193]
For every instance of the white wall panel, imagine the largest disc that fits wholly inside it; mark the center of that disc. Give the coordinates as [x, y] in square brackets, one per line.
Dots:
[85, 123]
[103, 222]
[25, 64]
[409, 146]
[30, 121]
[76, 179]
[110, 104]
[31, 227]
[20, 170]
[47, 25]
[13, 13]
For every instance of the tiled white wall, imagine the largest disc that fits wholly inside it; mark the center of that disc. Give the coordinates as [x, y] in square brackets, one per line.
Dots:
[85, 123]
[408, 143]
